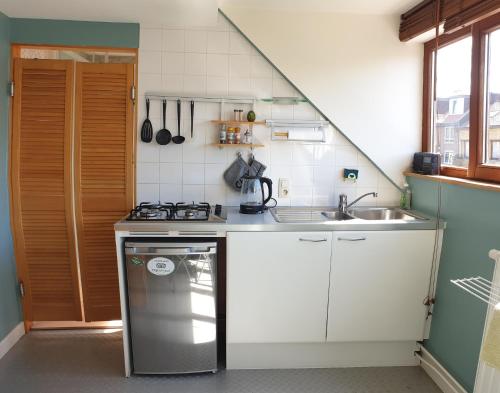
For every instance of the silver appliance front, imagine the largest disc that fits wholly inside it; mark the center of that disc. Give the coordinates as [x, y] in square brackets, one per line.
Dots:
[172, 306]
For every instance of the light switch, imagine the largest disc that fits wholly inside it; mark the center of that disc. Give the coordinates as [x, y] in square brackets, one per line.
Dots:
[283, 188]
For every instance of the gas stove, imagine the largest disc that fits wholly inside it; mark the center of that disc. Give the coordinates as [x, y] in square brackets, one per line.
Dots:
[181, 211]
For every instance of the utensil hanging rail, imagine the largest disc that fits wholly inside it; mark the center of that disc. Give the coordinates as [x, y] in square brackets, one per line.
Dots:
[480, 288]
[214, 99]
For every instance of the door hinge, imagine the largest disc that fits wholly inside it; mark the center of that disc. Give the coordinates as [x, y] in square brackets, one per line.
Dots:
[21, 289]
[132, 93]
[11, 88]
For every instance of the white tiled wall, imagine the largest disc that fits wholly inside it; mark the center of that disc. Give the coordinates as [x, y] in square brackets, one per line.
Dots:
[219, 61]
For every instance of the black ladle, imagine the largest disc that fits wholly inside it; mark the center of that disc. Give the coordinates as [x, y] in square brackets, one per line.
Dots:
[178, 139]
[164, 136]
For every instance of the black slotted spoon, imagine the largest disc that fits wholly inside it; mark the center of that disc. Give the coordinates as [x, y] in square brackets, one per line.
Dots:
[147, 127]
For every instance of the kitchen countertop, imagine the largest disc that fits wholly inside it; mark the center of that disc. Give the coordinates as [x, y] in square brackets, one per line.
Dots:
[265, 222]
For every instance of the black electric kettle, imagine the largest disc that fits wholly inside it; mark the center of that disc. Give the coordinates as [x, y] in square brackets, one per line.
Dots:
[252, 194]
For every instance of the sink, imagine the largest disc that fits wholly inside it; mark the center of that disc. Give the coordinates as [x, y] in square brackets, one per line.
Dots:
[337, 216]
[385, 214]
[314, 215]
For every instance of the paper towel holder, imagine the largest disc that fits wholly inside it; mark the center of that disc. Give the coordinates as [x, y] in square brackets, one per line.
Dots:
[298, 130]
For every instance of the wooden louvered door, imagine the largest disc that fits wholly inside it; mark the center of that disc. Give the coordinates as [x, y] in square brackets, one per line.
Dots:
[104, 176]
[41, 189]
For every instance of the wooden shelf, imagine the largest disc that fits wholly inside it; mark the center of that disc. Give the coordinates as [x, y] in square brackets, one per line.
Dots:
[238, 123]
[242, 145]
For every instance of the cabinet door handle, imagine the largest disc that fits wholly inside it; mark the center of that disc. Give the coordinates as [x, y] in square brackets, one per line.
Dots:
[312, 240]
[351, 239]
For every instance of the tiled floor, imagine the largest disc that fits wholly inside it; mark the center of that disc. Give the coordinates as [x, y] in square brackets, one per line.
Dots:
[70, 362]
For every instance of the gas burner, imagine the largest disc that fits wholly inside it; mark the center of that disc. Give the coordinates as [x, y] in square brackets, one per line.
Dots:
[192, 211]
[180, 211]
[148, 205]
[149, 213]
[189, 213]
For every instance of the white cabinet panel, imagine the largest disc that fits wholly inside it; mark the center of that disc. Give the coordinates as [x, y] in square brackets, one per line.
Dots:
[379, 280]
[277, 286]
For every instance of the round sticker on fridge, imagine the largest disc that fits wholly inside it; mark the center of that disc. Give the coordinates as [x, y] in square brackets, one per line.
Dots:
[161, 266]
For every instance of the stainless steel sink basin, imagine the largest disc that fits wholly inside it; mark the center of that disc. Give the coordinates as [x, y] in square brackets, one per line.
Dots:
[385, 214]
[318, 214]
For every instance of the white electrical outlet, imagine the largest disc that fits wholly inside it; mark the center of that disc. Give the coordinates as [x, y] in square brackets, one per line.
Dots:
[283, 188]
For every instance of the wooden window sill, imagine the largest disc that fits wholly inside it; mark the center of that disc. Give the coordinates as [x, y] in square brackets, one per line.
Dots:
[481, 185]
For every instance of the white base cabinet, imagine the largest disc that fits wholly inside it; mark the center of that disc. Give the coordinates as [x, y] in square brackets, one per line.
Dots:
[277, 286]
[378, 283]
[335, 287]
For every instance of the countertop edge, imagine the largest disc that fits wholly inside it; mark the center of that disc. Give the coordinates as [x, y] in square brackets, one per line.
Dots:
[266, 223]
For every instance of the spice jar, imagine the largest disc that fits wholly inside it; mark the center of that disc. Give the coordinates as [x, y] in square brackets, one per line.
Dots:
[237, 135]
[231, 135]
[222, 134]
[238, 115]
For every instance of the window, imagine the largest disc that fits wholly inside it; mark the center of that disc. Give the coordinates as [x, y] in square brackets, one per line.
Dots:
[462, 121]
[86, 55]
[448, 157]
[495, 151]
[464, 149]
[449, 134]
[451, 111]
[456, 106]
[492, 80]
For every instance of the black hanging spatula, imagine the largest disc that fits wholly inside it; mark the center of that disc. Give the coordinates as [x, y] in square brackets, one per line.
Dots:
[147, 127]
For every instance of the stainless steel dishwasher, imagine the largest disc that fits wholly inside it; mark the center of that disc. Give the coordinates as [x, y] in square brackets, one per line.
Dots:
[172, 305]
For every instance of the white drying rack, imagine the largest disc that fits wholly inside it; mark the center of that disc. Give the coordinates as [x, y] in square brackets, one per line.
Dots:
[480, 287]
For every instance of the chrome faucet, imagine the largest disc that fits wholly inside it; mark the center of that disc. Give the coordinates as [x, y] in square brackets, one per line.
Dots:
[343, 206]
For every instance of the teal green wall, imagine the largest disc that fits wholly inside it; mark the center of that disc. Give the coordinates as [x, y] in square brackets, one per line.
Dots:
[473, 228]
[10, 311]
[74, 33]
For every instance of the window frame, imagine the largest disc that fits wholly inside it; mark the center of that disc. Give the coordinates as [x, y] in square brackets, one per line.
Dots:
[448, 153]
[466, 148]
[476, 168]
[493, 143]
[446, 138]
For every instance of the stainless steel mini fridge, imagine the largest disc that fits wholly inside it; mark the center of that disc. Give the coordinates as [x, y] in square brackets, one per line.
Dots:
[172, 306]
